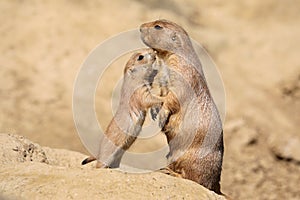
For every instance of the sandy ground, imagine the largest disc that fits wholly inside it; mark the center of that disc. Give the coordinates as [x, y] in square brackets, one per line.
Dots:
[29, 171]
[255, 45]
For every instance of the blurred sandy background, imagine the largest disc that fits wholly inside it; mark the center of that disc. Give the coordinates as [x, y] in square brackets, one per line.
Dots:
[255, 44]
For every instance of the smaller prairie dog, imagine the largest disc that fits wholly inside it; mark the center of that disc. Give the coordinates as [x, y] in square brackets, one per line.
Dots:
[135, 100]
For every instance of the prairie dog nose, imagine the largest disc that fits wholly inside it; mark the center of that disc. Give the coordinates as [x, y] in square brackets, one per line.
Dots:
[151, 55]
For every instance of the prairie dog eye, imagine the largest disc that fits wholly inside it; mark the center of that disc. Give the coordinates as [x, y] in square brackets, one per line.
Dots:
[141, 57]
[158, 27]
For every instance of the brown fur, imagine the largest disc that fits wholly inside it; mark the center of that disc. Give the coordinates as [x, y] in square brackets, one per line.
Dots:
[189, 117]
[135, 99]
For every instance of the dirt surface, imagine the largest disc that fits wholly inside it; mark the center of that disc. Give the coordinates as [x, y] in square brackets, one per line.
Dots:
[255, 44]
[45, 173]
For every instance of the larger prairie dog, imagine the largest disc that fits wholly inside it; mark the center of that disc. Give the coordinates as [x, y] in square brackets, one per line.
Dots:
[189, 117]
[129, 118]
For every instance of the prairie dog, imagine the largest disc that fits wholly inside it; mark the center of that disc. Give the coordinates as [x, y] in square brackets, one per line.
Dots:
[189, 117]
[136, 98]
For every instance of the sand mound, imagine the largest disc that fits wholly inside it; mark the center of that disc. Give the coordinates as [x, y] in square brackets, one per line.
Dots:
[29, 171]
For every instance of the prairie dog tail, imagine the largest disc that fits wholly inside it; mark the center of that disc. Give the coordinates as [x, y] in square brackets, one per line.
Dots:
[87, 160]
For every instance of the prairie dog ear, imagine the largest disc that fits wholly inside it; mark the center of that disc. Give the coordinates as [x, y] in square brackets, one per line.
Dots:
[174, 37]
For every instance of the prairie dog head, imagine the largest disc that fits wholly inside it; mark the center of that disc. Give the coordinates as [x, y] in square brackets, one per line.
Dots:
[140, 68]
[163, 35]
